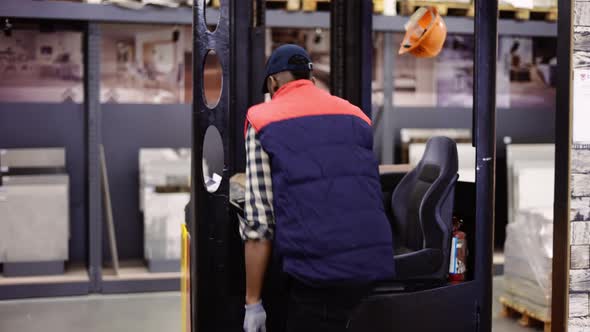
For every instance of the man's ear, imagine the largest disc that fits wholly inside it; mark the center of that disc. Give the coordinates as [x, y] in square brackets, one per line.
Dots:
[273, 85]
[313, 80]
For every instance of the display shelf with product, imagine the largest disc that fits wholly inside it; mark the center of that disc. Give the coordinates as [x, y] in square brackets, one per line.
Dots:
[131, 85]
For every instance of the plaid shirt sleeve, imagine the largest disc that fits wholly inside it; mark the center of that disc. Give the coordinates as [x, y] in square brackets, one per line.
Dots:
[259, 219]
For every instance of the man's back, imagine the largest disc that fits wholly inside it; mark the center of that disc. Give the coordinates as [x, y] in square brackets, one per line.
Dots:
[330, 223]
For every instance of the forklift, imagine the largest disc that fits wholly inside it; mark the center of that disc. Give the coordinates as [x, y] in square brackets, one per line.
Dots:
[419, 299]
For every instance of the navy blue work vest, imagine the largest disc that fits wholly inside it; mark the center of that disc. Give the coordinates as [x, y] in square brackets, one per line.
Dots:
[331, 227]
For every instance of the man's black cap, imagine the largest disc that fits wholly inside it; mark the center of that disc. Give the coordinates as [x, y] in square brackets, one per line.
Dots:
[287, 57]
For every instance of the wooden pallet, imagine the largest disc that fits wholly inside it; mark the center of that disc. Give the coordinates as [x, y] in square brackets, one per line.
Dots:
[312, 5]
[290, 5]
[527, 318]
[408, 7]
[523, 14]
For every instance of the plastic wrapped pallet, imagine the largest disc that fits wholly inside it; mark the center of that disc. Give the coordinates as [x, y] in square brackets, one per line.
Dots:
[528, 260]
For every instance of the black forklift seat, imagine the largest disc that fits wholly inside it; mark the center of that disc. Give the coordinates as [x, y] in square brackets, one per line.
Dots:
[422, 212]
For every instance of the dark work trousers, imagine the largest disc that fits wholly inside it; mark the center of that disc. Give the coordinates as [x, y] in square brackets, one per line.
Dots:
[322, 309]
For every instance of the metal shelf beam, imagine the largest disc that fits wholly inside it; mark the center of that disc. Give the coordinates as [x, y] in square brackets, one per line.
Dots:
[72, 11]
[461, 25]
[303, 20]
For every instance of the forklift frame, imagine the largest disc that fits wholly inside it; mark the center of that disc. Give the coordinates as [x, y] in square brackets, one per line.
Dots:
[216, 250]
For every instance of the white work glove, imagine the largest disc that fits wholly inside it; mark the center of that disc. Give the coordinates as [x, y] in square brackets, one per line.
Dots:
[255, 318]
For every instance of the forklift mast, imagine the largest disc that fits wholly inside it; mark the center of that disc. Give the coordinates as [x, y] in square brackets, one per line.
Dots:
[217, 259]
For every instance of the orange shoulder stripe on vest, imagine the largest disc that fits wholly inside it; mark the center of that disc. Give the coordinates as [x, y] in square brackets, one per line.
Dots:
[262, 115]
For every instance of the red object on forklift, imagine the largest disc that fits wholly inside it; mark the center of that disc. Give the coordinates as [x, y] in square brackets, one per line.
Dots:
[458, 262]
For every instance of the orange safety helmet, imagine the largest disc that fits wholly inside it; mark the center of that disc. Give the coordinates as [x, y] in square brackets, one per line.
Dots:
[425, 33]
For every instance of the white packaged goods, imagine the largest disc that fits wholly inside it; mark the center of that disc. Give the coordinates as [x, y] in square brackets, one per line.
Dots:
[389, 7]
[544, 3]
[466, 153]
[530, 4]
[410, 134]
[530, 176]
[525, 4]
[34, 209]
[35, 218]
[163, 187]
[445, 1]
[33, 158]
[163, 216]
[163, 168]
[528, 260]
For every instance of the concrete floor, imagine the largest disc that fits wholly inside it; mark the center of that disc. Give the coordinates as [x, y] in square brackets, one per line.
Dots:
[501, 324]
[155, 312]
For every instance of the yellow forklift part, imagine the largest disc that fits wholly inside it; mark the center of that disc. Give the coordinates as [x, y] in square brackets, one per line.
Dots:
[185, 279]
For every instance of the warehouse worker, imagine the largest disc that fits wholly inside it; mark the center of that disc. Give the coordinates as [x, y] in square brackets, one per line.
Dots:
[313, 193]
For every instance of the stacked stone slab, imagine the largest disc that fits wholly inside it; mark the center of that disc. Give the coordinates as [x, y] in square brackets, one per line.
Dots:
[579, 312]
[579, 288]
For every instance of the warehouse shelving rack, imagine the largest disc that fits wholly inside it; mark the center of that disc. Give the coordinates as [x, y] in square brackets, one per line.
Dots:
[72, 11]
[92, 114]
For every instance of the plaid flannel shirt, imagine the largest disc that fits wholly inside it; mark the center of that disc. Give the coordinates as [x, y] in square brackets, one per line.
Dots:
[259, 219]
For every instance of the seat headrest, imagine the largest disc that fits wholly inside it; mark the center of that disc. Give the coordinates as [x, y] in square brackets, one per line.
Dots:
[429, 173]
[442, 152]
